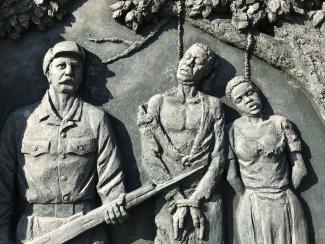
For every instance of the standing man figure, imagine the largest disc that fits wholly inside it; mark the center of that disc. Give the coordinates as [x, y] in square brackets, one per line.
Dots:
[181, 129]
[58, 157]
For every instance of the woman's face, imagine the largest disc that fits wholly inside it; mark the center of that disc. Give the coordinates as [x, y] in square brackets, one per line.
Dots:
[246, 99]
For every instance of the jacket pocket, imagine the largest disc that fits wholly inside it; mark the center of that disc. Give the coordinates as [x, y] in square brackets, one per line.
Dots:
[35, 147]
[81, 146]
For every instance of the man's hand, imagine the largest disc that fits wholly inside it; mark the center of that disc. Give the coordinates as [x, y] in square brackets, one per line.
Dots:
[198, 222]
[178, 220]
[116, 213]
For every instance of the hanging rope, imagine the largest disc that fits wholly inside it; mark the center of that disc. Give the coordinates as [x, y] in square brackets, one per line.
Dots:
[180, 28]
[248, 55]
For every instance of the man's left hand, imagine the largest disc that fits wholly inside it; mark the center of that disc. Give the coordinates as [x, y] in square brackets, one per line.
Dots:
[198, 222]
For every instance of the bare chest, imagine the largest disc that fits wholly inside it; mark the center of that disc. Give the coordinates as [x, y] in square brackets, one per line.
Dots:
[176, 116]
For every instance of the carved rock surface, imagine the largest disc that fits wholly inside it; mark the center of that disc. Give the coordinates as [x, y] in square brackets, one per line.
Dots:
[18, 16]
[120, 87]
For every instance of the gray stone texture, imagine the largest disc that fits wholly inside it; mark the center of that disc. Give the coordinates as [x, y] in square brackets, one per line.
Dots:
[119, 88]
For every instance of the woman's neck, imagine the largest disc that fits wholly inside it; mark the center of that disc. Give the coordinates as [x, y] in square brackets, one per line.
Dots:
[254, 119]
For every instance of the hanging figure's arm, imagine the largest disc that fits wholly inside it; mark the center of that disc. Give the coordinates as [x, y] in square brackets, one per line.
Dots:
[294, 147]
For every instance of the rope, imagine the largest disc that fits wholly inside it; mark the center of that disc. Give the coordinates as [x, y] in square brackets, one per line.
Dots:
[180, 29]
[248, 54]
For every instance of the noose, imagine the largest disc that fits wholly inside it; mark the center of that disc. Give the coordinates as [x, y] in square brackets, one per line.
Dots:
[248, 54]
[180, 28]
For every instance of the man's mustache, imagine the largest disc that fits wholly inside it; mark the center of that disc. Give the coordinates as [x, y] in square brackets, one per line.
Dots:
[67, 80]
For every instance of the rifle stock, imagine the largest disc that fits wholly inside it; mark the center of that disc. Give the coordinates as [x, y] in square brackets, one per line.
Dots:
[95, 217]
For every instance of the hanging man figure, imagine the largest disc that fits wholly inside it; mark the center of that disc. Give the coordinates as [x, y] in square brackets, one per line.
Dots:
[57, 157]
[181, 129]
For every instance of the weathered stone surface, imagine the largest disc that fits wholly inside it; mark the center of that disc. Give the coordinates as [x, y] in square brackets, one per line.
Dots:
[182, 129]
[18, 16]
[294, 48]
[265, 161]
[57, 157]
[318, 18]
[119, 88]
[285, 27]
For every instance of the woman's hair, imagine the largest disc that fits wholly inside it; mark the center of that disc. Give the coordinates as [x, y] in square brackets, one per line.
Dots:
[235, 82]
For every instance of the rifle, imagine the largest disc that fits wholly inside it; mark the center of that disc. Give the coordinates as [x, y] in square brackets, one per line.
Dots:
[95, 217]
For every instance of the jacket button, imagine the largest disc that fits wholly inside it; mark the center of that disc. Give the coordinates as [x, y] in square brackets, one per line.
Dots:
[63, 135]
[66, 197]
[35, 147]
[64, 178]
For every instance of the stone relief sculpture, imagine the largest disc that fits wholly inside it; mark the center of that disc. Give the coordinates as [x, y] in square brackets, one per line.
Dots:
[181, 129]
[57, 156]
[244, 14]
[289, 34]
[18, 16]
[272, 21]
[268, 211]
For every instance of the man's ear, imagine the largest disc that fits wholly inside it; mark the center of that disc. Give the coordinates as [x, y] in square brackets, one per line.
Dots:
[47, 76]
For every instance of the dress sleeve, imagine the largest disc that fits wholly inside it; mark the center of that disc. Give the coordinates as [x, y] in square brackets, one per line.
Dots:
[292, 141]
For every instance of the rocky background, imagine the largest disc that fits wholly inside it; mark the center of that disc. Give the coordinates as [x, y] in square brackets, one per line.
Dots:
[289, 33]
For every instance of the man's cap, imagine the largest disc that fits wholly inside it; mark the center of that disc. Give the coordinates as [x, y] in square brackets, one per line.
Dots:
[62, 48]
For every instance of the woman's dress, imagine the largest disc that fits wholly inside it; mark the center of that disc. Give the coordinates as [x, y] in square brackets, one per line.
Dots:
[268, 212]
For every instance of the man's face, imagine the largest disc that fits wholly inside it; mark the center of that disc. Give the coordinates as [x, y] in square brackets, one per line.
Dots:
[193, 66]
[65, 74]
[246, 99]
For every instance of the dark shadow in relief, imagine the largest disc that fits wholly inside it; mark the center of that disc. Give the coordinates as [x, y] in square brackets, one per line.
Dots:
[310, 180]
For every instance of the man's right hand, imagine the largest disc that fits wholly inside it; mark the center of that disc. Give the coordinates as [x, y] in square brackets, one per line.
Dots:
[198, 222]
[115, 212]
[178, 220]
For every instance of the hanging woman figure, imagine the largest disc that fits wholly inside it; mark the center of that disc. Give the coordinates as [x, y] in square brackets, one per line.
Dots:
[267, 152]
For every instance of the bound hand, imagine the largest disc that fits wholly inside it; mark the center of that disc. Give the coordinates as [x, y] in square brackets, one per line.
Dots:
[198, 221]
[115, 212]
[178, 220]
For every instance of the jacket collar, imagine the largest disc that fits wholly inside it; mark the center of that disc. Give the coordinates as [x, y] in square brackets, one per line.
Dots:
[47, 111]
